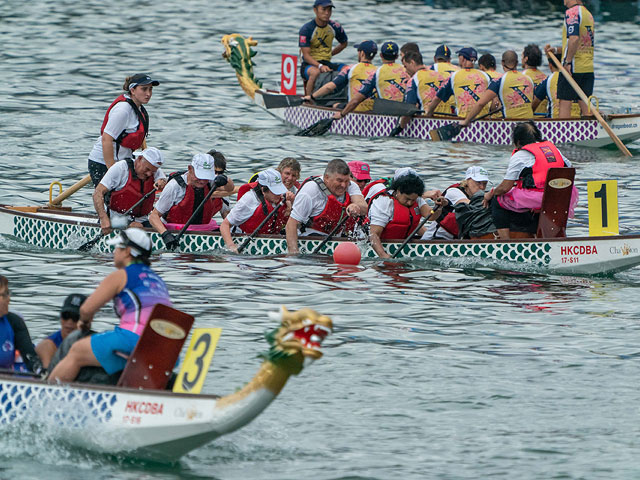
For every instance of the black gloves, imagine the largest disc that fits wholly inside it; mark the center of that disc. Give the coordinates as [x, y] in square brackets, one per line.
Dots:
[220, 181]
[170, 240]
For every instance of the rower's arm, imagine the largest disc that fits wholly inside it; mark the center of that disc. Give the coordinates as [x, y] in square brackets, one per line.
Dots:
[225, 231]
[306, 56]
[324, 90]
[501, 189]
[432, 107]
[292, 235]
[339, 48]
[485, 98]
[98, 204]
[375, 231]
[113, 284]
[361, 206]
[357, 99]
[156, 222]
[107, 149]
[536, 102]
[572, 48]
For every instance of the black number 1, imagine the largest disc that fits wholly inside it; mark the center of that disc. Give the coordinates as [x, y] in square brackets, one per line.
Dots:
[602, 194]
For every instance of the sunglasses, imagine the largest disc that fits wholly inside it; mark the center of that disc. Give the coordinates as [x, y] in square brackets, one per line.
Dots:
[70, 316]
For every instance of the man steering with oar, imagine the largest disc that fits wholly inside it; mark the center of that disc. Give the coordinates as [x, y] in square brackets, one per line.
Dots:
[323, 203]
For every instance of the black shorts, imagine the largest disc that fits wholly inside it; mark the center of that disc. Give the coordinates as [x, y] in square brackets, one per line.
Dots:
[514, 221]
[336, 67]
[566, 91]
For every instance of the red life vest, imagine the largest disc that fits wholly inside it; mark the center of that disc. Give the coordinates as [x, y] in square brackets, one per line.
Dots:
[275, 225]
[404, 221]
[448, 220]
[547, 156]
[181, 212]
[123, 199]
[367, 187]
[333, 211]
[131, 140]
[245, 188]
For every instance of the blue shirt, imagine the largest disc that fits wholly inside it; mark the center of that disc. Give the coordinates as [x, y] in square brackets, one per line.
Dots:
[56, 338]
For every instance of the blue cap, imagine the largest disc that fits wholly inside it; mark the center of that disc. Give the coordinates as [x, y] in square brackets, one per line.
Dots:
[368, 46]
[443, 52]
[323, 3]
[389, 49]
[469, 53]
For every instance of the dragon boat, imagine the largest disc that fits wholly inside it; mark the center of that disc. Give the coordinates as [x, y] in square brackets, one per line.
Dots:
[585, 131]
[160, 425]
[65, 230]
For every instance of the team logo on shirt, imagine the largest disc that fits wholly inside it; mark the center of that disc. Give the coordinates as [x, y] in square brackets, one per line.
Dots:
[303, 39]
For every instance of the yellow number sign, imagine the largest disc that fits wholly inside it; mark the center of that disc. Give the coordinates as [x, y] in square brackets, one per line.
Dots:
[603, 207]
[196, 361]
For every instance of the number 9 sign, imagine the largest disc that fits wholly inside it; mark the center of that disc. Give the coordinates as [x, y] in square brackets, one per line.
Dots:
[288, 77]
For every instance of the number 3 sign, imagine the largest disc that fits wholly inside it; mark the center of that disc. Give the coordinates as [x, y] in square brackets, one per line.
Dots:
[288, 77]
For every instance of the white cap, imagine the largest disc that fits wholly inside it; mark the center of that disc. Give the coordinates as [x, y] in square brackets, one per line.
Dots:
[401, 172]
[136, 238]
[271, 179]
[203, 166]
[478, 174]
[153, 156]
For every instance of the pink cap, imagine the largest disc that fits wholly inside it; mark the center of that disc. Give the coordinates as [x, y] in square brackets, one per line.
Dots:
[359, 170]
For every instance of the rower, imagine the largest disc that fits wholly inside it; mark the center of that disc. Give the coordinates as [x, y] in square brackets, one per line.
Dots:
[396, 212]
[14, 334]
[316, 41]
[124, 128]
[323, 202]
[513, 89]
[531, 60]
[442, 61]
[253, 207]
[516, 201]
[423, 85]
[135, 289]
[184, 194]
[384, 183]
[360, 173]
[69, 316]
[547, 92]
[465, 86]
[126, 183]
[487, 63]
[352, 76]
[388, 82]
[446, 226]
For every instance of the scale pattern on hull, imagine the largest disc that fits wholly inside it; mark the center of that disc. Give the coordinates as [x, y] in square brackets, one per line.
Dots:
[489, 132]
[65, 406]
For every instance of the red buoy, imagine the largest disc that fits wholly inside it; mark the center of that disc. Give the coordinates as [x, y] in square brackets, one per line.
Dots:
[347, 253]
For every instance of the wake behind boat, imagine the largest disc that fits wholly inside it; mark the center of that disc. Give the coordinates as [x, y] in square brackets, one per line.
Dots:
[62, 230]
[585, 131]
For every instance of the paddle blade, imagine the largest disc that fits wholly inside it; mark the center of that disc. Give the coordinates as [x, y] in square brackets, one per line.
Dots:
[446, 132]
[382, 106]
[281, 101]
[85, 247]
[319, 128]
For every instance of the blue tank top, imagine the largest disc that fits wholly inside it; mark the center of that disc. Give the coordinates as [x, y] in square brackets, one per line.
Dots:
[7, 345]
[144, 289]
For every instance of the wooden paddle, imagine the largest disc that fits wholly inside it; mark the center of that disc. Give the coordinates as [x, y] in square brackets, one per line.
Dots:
[331, 234]
[262, 224]
[584, 98]
[274, 100]
[70, 191]
[451, 130]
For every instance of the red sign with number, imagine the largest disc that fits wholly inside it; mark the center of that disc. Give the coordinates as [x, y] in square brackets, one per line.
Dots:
[288, 77]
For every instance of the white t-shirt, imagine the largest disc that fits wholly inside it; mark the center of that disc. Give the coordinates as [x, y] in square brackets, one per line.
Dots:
[311, 201]
[173, 194]
[521, 160]
[244, 208]
[378, 187]
[381, 210]
[454, 195]
[121, 117]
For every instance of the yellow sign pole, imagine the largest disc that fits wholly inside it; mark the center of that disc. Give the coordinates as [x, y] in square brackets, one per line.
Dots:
[603, 207]
[197, 360]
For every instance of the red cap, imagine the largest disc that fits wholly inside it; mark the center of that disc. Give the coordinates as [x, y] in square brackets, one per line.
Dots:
[359, 170]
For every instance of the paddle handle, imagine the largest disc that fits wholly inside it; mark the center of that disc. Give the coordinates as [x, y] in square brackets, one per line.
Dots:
[195, 212]
[408, 239]
[331, 234]
[70, 191]
[262, 224]
[584, 98]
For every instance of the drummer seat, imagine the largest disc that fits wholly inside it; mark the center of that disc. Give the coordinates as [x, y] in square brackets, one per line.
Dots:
[556, 200]
[150, 365]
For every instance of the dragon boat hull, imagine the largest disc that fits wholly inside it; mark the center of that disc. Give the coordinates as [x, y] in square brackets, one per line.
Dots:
[154, 425]
[56, 229]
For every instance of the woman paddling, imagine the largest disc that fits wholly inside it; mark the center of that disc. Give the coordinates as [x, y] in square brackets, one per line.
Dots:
[125, 126]
[135, 289]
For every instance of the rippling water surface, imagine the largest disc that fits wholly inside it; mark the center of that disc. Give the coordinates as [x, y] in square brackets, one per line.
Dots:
[434, 370]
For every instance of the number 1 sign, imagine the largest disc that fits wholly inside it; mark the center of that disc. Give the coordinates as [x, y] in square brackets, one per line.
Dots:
[603, 207]
[288, 76]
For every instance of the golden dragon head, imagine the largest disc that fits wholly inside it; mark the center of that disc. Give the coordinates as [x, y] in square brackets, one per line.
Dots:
[300, 335]
[237, 51]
